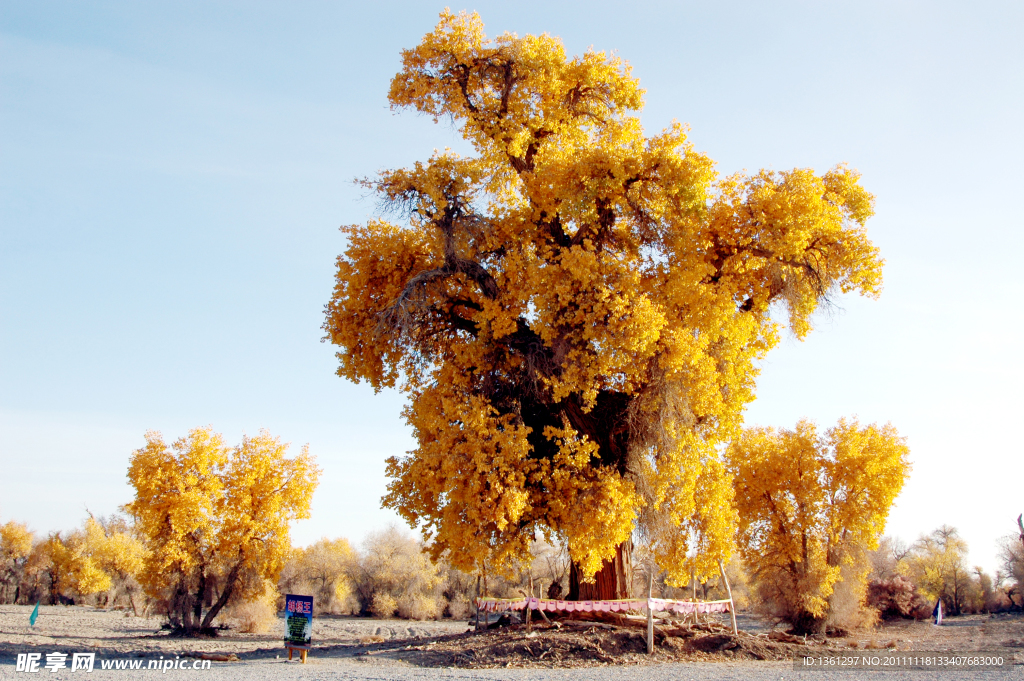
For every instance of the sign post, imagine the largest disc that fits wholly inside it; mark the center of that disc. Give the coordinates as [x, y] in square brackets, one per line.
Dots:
[298, 624]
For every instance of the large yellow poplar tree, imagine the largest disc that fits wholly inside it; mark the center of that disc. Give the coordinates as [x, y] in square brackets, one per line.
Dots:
[575, 311]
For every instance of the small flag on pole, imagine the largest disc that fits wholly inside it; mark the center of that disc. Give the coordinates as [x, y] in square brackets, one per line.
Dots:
[34, 615]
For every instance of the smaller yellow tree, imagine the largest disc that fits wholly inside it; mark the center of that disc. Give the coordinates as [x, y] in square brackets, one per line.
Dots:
[15, 546]
[118, 553]
[938, 565]
[322, 569]
[809, 505]
[216, 519]
[73, 572]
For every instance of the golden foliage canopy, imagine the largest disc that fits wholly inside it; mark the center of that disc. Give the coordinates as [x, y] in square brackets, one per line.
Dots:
[937, 563]
[324, 566]
[575, 312]
[15, 541]
[808, 503]
[115, 550]
[216, 519]
[15, 548]
[73, 571]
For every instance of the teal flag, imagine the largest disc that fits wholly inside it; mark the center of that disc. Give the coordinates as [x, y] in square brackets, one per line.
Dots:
[34, 615]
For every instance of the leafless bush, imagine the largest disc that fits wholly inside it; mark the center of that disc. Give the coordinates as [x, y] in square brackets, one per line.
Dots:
[1011, 555]
[550, 569]
[886, 559]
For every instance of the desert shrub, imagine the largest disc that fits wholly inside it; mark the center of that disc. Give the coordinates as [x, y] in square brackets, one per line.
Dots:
[895, 597]
[255, 616]
[394, 565]
[383, 605]
[322, 571]
[847, 606]
[457, 590]
[419, 606]
[460, 608]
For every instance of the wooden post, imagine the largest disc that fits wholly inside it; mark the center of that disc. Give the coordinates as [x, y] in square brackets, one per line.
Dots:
[650, 614]
[529, 615]
[693, 593]
[732, 603]
[478, 602]
[303, 654]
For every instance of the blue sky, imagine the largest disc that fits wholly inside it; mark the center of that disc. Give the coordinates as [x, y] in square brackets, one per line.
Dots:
[172, 176]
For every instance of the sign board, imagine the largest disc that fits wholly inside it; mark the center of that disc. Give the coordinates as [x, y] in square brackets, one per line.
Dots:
[298, 621]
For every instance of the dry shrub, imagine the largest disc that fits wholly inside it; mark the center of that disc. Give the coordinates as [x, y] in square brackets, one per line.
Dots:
[419, 606]
[459, 608]
[322, 570]
[457, 590]
[847, 606]
[253, 618]
[395, 574]
[383, 605]
[894, 598]
[256, 616]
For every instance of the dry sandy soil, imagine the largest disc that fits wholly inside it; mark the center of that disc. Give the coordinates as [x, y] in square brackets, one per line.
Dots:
[116, 632]
[453, 644]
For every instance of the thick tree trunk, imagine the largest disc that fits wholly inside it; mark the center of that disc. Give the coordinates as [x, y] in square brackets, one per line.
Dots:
[612, 582]
[225, 596]
[806, 623]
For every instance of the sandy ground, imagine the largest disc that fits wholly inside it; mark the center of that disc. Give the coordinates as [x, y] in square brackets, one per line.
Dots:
[115, 632]
[350, 648]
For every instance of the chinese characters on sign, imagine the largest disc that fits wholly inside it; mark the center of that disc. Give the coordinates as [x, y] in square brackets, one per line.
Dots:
[298, 622]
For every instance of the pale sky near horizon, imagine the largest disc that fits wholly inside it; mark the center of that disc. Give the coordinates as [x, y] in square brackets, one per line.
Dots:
[172, 176]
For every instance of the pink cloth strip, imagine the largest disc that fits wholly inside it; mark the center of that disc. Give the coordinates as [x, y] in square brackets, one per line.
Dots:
[656, 604]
